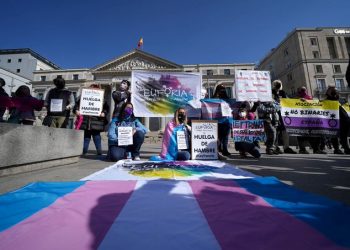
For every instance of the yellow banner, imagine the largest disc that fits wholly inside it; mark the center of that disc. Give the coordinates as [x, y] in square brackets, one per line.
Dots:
[309, 104]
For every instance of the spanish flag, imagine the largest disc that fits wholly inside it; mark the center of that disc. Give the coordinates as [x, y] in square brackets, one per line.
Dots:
[140, 44]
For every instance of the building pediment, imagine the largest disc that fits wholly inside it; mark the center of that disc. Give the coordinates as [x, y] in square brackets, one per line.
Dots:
[136, 59]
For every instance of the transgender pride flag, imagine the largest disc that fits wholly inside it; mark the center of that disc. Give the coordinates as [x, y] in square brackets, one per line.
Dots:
[207, 213]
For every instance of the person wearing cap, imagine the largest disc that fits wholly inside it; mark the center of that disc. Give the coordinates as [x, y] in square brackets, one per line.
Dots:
[4, 99]
[59, 102]
[121, 96]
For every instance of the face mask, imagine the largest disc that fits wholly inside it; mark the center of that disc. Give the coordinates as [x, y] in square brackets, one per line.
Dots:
[242, 114]
[181, 117]
[128, 112]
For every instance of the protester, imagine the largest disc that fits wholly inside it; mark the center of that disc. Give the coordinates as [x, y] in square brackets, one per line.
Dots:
[277, 94]
[268, 111]
[59, 102]
[92, 125]
[224, 125]
[126, 118]
[23, 106]
[4, 99]
[245, 147]
[347, 74]
[171, 149]
[121, 96]
[344, 126]
[315, 141]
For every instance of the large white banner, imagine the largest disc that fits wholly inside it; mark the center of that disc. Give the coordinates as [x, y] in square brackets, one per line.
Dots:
[159, 94]
[252, 85]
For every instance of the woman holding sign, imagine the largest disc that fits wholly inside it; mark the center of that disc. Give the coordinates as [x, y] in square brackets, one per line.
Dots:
[176, 139]
[125, 134]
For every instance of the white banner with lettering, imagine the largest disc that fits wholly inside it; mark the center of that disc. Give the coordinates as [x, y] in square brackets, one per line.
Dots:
[253, 85]
[204, 137]
[159, 94]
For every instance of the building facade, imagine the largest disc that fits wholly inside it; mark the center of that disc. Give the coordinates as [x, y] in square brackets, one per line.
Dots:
[111, 73]
[315, 58]
[13, 81]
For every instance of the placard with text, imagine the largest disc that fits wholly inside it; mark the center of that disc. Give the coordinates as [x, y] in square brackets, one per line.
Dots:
[204, 139]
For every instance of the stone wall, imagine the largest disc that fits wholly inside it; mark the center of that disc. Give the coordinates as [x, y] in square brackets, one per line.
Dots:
[27, 148]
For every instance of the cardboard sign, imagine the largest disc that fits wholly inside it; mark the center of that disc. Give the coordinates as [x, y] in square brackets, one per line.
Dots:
[181, 140]
[91, 102]
[204, 140]
[125, 136]
[56, 105]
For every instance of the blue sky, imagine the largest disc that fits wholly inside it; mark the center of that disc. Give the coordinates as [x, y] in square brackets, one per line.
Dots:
[83, 34]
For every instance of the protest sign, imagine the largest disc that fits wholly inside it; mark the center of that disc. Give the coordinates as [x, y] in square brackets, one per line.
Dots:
[253, 85]
[248, 130]
[310, 117]
[204, 138]
[91, 102]
[125, 136]
[160, 94]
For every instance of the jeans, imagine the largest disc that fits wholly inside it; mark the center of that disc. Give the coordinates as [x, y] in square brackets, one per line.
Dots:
[183, 156]
[117, 153]
[270, 132]
[223, 134]
[96, 136]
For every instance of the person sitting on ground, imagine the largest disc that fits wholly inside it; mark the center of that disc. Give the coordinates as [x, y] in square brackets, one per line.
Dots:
[23, 106]
[245, 147]
[92, 125]
[172, 148]
[121, 96]
[277, 94]
[344, 123]
[126, 118]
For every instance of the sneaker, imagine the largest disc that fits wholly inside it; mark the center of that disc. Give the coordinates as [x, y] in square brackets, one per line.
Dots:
[278, 151]
[270, 152]
[137, 158]
[303, 151]
[338, 152]
[320, 152]
[289, 151]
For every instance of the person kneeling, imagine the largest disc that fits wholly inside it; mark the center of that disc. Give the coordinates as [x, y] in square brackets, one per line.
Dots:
[121, 130]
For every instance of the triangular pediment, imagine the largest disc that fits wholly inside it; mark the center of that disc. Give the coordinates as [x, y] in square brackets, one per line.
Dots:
[137, 59]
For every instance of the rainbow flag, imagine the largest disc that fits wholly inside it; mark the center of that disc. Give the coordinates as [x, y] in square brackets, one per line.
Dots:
[250, 213]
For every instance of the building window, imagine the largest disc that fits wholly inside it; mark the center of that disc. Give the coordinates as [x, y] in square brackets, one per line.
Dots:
[75, 77]
[337, 69]
[331, 47]
[19, 60]
[43, 78]
[347, 43]
[40, 96]
[319, 69]
[339, 84]
[285, 52]
[321, 84]
[313, 41]
[18, 70]
[227, 72]
[288, 65]
[75, 95]
[290, 77]
[8, 60]
[316, 54]
[210, 72]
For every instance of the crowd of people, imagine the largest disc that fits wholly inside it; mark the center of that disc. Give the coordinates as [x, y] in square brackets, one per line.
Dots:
[60, 102]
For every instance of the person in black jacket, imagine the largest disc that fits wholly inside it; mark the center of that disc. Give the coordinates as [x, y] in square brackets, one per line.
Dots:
[92, 125]
[59, 102]
[347, 74]
[3, 99]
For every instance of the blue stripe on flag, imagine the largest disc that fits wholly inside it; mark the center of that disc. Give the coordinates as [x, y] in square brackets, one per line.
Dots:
[160, 215]
[330, 217]
[20, 204]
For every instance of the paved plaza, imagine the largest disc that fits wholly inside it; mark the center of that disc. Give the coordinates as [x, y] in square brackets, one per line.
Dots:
[327, 175]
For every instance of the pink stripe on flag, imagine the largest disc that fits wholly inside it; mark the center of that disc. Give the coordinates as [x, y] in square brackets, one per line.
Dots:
[79, 220]
[242, 220]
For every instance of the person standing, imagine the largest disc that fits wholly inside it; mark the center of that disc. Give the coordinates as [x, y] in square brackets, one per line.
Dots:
[4, 99]
[121, 96]
[59, 102]
[92, 125]
[224, 125]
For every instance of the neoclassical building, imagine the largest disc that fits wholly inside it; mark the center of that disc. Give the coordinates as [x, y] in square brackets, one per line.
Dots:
[110, 74]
